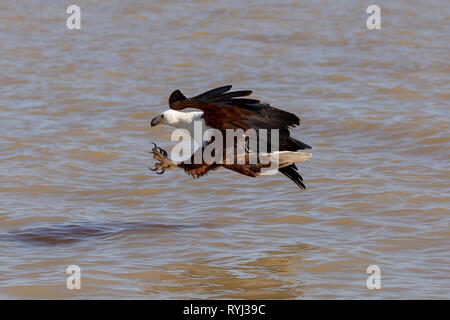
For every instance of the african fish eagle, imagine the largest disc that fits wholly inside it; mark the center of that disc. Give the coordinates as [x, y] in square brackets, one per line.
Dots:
[222, 110]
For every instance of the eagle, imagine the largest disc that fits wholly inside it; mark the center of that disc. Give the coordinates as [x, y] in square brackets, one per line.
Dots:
[223, 110]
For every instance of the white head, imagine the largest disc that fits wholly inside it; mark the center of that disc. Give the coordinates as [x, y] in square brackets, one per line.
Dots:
[176, 119]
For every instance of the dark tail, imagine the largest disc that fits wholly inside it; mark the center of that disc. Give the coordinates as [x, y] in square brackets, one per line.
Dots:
[291, 172]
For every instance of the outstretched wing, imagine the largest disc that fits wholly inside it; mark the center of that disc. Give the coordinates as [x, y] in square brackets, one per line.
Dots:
[228, 110]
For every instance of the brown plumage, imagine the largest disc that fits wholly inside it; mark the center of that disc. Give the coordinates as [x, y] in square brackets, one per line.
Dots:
[229, 110]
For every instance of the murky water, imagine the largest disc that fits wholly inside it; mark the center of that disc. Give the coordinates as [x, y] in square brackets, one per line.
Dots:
[74, 130]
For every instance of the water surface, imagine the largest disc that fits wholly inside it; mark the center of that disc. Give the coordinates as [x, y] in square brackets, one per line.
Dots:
[74, 129]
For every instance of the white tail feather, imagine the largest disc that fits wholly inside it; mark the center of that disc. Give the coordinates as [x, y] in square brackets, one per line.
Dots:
[283, 159]
[292, 157]
[288, 157]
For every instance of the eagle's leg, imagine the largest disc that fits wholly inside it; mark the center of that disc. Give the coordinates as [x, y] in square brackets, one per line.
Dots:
[164, 163]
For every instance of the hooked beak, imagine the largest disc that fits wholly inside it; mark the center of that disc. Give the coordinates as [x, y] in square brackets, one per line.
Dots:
[156, 120]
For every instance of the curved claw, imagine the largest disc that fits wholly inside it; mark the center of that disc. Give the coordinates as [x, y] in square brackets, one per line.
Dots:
[164, 152]
[156, 170]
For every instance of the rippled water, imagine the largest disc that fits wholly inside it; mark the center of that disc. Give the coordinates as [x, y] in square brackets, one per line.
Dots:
[74, 130]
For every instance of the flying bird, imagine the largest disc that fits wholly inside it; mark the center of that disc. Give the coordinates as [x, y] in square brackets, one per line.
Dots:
[221, 110]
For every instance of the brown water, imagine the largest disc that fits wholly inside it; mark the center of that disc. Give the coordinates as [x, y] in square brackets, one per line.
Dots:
[74, 130]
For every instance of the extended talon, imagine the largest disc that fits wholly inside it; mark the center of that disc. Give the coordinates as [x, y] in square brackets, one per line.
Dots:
[163, 163]
[164, 152]
[156, 169]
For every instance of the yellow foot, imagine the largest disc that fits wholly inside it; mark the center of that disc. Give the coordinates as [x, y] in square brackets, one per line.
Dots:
[164, 163]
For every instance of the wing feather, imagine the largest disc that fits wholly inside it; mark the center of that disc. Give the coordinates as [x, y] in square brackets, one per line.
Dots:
[223, 110]
[214, 92]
